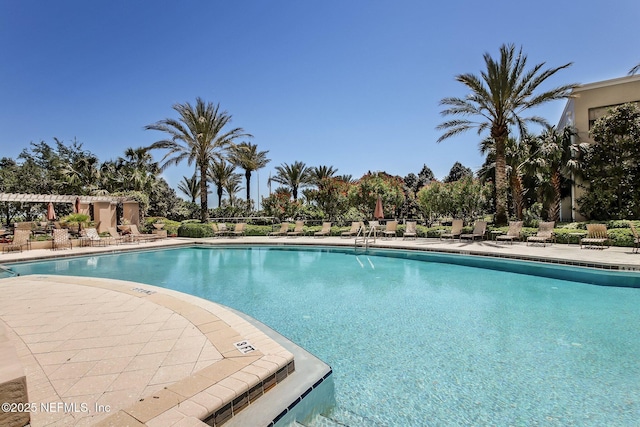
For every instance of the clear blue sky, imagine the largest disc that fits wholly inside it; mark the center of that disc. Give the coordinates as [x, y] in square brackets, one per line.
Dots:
[352, 84]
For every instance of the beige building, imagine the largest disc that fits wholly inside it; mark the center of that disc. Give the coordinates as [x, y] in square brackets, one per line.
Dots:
[589, 103]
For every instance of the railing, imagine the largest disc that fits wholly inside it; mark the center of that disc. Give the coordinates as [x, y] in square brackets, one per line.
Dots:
[8, 271]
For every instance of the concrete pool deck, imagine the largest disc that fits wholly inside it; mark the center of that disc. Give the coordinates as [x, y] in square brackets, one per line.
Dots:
[157, 357]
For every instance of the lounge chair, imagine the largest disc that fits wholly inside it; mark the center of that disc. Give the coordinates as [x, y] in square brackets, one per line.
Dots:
[597, 236]
[93, 238]
[284, 228]
[479, 229]
[544, 234]
[355, 226]
[143, 237]
[636, 238]
[390, 229]
[515, 228]
[456, 230]
[20, 240]
[117, 238]
[325, 231]
[61, 239]
[239, 229]
[410, 232]
[222, 229]
[297, 230]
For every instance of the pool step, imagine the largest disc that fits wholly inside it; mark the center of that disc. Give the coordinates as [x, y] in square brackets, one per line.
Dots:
[321, 421]
[339, 418]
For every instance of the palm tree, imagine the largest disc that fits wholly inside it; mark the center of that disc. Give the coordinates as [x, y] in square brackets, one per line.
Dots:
[190, 187]
[318, 173]
[247, 156]
[559, 159]
[519, 164]
[499, 97]
[294, 176]
[232, 187]
[198, 136]
[219, 173]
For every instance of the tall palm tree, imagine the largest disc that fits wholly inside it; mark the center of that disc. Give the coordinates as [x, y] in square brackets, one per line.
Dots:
[247, 156]
[498, 98]
[219, 173]
[294, 176]
[559, 159]
[190, 187]
[198, 136]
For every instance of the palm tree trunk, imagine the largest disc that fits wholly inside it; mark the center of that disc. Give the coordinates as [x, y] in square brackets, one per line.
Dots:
[517, 194]
[501, 180]
[247, 175]
[219, 195]
[204, 209]
[554, 208]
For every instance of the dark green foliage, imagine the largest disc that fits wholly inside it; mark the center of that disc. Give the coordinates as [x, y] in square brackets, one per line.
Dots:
[457, 172]
[197, 230]
[612, 166]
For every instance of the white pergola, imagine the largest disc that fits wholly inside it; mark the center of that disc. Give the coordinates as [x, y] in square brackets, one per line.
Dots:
[58, 198]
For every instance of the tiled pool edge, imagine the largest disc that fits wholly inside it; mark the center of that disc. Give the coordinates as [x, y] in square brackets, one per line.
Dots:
[288, 402]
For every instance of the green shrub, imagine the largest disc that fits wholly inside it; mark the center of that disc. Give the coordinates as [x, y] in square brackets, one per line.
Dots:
[198, 230]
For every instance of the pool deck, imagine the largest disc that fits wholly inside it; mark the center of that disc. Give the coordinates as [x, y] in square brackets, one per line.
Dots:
[131, 354]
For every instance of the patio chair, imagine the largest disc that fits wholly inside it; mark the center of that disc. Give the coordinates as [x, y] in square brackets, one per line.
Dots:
[636, 238]
[284, 228]
[479, 229]
[61, 239]
[239, 229]
[410, 232]
[355, 226]
[390, 229]
[297, 230]
[141, 237]
[222, 229]
[456, 230]
[117, 238]
[91, 235]
[597, 236]
[325, 231]
[515, 228]
[20, 240]
[545, 234]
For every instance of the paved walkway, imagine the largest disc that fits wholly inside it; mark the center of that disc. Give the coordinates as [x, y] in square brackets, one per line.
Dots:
[130, 354]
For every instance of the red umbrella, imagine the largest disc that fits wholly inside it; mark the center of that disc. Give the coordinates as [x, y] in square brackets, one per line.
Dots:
[51, 213]
[378, 213]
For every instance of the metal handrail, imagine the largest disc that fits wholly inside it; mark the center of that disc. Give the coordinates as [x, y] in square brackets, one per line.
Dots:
[8, 270]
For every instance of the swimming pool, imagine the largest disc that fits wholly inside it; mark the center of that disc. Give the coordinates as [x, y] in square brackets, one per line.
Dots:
[416, 342]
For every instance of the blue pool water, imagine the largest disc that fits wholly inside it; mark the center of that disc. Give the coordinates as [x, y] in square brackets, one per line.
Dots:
[416, 343]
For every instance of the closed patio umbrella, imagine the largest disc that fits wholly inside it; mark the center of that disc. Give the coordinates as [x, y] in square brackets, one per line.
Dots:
[378, 213]
[51, 213]
[76, 207]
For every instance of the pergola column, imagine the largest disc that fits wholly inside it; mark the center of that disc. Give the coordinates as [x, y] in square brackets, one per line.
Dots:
[131, 212]
[104, 215]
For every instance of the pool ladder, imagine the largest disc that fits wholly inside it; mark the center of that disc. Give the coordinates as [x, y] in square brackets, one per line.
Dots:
[364, 236]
